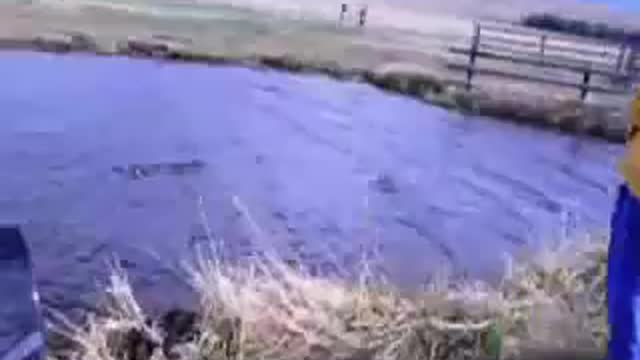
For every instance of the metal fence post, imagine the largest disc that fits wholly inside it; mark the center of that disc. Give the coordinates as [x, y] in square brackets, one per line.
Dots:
[622, 51]
[630, 59]
[343, 12]
[475, 44]
[543, 42]
[631, 65]
[585, 85]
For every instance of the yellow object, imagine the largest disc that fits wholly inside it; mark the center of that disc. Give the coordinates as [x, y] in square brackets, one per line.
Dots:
[630, 166]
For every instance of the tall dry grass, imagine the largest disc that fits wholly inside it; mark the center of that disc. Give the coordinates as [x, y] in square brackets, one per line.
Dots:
[266, 309]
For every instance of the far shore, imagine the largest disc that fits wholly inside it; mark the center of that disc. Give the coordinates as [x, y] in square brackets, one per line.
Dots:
[396, 61]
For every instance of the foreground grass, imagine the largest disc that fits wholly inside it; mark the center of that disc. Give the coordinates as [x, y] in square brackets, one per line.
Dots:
[265, 309]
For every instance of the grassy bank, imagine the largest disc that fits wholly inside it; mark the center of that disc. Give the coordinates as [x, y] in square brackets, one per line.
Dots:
[266, 309]
[409, 60]
[563, 114]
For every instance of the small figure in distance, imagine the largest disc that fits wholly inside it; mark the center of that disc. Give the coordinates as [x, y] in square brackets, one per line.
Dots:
[363, 16]
[343, 12]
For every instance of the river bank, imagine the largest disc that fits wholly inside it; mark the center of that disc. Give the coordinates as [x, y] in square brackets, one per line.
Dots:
[417, 74]
[550, 306]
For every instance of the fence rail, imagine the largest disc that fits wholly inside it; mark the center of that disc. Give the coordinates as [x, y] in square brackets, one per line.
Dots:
[507, 28]
[616, 63]
[545, 62]
[541, 44]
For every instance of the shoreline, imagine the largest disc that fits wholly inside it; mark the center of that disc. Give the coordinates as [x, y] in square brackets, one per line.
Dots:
[567, 116]
[551, 306]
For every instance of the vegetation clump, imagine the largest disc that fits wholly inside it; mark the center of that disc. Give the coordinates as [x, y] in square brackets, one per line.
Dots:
[267, 309]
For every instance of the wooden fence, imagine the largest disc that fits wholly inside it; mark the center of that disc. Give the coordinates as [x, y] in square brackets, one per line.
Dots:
[616, 65]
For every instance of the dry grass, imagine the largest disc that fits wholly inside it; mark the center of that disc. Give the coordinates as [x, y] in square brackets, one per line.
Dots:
[265, 309]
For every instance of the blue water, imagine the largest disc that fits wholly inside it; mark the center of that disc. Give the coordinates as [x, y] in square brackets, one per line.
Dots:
[326, 169]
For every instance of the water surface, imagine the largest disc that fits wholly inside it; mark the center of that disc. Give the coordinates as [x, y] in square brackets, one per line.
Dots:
[95, 155]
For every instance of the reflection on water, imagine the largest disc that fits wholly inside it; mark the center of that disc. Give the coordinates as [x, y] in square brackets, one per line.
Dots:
[97, 158]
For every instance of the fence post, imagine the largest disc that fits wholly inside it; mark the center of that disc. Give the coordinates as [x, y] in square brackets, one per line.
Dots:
[543, 42]
[585, 85]
[622, 52]
[362, 14]
[629, 60]
[475, 44]
[631, 66]
[343, 12]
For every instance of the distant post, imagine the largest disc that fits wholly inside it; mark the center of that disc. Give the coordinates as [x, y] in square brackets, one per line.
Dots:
[585, 85]
[632, 58]
[475, 44]
[343, 12]
[543, 43]
[363, 16]
[622, 52]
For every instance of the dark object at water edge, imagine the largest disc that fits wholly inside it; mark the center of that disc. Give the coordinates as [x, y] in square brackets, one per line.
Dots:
[140, 171]
[22, 330]
[180, 326]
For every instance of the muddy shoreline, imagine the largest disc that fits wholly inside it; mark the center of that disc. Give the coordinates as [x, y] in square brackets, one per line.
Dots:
[568, 116]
